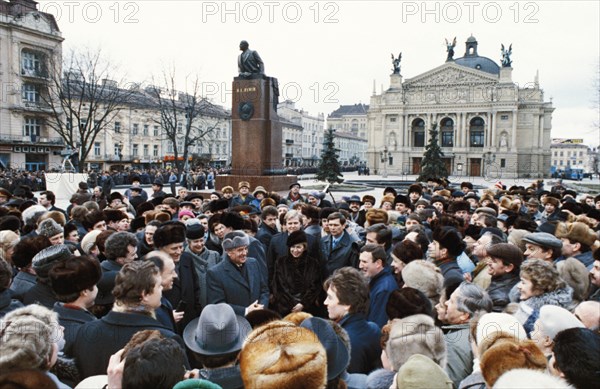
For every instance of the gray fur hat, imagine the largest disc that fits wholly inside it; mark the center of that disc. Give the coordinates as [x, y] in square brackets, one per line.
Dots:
[235, 239]
[45, 259]
[49, 228]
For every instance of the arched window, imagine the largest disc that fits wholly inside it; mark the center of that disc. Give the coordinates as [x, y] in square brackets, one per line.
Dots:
[476, 132]
[418, 133]
[447, 130]
[354, 127]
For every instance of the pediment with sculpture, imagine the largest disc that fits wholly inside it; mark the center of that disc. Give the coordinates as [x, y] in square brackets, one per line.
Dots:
[450, 74]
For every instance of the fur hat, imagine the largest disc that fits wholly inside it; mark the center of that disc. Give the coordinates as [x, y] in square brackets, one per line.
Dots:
[194, 231]
[421, 372]
[450, 239]
[338, 355]
[266, 202]
[508, 253]
[27, 338]
[45, 259]
[493, 326]
[217, 331]
[459, 205]
[416, 334]
[402, 199]
[143, 207]
[368, 199]
[445, 193]
[530, 379]
[555, 319]
[415, 188]
[242, 184]
[232, 220]
[10, 223]
[310, 212]
[575, 273]
[509, 354]
[283, 356]
[233, 240]
[424, 276]
[258, 317]
[551, 200]
[33, 213]
[296, 237]
[387, 199]
[376, 215]
[406, 302]
[74, 274]
[89, 240]
[218, 205]
[227, 189]
[113, 215]
[137, 223]
[259, 189]
[516, 236]
[578, 232]
[169, 233]
[297, 317]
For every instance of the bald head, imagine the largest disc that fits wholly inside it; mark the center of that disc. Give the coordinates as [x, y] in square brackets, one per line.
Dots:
[589, 314]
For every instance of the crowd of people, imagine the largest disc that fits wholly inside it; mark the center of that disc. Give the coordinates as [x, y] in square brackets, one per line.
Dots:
[435, 287]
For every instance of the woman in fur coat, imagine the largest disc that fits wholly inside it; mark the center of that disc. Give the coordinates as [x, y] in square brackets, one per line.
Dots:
[540, 285]
[297, 279]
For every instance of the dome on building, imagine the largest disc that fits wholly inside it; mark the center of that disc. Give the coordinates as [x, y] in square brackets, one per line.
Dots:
[480, 63]
[474, 61]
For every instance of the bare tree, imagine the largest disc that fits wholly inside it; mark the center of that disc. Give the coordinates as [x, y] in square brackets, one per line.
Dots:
[187, 119]
[84, 99]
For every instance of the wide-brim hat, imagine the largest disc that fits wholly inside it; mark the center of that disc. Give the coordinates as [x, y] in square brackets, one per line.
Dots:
[294, 184]
[259, 189]
[338, 356]
[158, 183]
[217, 331]
[354, 199]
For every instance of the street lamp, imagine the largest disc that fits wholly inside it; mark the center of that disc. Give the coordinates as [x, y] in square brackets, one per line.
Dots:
[385, 157]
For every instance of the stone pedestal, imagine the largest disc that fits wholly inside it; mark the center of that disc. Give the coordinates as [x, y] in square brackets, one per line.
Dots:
[256, 136]
[505, 75]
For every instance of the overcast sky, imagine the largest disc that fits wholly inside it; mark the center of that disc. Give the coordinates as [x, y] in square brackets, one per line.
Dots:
[329, 53]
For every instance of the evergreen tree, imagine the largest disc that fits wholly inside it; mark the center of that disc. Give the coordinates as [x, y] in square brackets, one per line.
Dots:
[432, 165]
[329, 167]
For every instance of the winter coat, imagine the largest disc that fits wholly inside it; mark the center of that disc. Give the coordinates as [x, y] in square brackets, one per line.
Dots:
[202, 262]
[186, 289]
[278, 248]
[365, 349]
[586, 258]
[460, 355]
[41, 294]
[344, 254]
[296, 281]
[71, 319]
[500, 288]
[529, 309]
[22, 282]
[96, 341]
[380, 288]
[265, 234]
[7, 303]
[380, 379]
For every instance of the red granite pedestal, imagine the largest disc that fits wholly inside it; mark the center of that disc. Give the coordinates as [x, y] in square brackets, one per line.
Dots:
[256, 150]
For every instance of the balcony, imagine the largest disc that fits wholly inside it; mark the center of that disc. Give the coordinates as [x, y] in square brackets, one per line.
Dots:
[117, 158]
[34, 73]
[32, 139]
[32, 106]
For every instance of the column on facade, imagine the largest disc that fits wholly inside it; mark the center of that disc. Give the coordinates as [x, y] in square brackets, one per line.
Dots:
[465, 130]
[493, 116]
[400, 137]
[406, 134]
[514, 130]
[541, 132]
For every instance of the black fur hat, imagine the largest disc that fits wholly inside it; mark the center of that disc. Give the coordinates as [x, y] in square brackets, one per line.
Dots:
[232, 220]
[168, 233]
[296, 237]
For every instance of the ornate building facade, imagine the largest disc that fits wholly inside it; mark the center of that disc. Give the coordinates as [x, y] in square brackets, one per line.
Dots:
[487, 124]
[29, 41]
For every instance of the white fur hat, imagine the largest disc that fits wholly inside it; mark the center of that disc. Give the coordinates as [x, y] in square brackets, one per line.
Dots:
[555, 319]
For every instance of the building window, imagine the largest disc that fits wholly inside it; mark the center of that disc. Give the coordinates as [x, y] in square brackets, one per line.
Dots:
[561, 153]
[116, 149]
[555, 153]
[561, 162]
[155, 130]
[447, 127]
[146, 150]
[555, 162]
[581, 153]
[97, 149]
[476, 132]
[179, 128]
[135, 150]
[31, 93]
[155, 151]
[502, 162]
[31, 63]
[135, 129]
[418, 129]
[32, 127]
[117, 127]
[503, 117]
[146, 129]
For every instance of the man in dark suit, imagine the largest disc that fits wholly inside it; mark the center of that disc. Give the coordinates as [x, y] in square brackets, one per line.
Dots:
[237, 280]
[338, 248]
[249, 62]
[47, 199]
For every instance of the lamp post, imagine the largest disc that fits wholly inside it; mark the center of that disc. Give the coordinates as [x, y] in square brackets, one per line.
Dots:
[385, 156]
